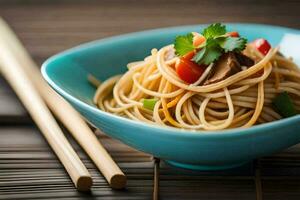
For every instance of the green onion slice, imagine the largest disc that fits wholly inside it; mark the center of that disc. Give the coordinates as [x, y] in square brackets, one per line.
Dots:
[149, 103]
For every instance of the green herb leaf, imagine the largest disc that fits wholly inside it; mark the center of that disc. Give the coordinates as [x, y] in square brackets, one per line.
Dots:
[232, 43]
[149, 103]
[284, 105]
[212, 54]
[214, 30]
[184, 44]
[199, 55]
[209, 53]
[217, 43]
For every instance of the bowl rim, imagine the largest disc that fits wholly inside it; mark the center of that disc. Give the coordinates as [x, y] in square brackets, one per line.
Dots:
[234, 132]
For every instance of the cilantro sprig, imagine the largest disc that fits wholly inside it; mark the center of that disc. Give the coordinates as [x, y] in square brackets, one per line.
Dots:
[216, 43]
[184, 44]
[214, 30]
[233, 44]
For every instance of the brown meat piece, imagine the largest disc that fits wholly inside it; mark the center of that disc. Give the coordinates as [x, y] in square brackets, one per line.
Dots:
[244, 60]
[226, 66]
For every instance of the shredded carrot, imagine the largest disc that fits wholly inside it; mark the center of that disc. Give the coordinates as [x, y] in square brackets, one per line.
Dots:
[198, 39]
[167, 114]
[174, 101]
[165, 107]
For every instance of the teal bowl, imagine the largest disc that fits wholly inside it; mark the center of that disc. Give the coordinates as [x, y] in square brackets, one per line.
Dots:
[203, 150]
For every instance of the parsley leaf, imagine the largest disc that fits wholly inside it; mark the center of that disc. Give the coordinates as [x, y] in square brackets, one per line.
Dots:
[184, 44]
[232, 44]
[209, 53]
[214, 30]
[216, 43]
[199, 55]
[213, 52]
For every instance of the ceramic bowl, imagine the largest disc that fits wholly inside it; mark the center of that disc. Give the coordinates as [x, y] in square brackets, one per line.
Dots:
[67, 73]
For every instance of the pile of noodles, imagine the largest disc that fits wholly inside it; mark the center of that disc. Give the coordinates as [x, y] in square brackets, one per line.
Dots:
[241, 100]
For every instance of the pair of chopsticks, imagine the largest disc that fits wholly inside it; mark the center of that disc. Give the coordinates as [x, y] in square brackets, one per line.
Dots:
[24, 77]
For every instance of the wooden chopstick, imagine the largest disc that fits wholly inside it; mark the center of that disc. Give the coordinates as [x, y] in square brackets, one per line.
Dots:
[15, 75]
[64, 112]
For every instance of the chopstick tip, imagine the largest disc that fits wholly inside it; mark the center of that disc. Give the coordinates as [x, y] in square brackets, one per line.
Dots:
[84, 183]
[118, 181]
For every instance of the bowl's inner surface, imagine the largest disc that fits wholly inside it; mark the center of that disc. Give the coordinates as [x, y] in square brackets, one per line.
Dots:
[108, 57]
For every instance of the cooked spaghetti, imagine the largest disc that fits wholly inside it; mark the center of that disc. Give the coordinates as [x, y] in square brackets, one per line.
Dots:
[154, 91]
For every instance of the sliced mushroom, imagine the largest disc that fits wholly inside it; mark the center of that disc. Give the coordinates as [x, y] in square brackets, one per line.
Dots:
[226, 66]
[244, 60]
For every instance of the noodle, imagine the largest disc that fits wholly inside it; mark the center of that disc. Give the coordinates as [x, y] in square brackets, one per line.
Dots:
[241, 100]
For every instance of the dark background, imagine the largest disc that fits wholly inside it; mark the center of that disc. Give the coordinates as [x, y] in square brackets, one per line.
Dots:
[47, 27]
[28, 168]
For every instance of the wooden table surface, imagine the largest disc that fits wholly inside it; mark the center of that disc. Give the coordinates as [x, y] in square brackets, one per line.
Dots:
[29, 169]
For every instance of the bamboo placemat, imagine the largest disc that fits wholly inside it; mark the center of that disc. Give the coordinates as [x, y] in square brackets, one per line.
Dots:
[29, 169]
[11, 110]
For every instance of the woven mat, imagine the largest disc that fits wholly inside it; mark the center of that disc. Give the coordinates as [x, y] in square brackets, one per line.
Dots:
[30, 170]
